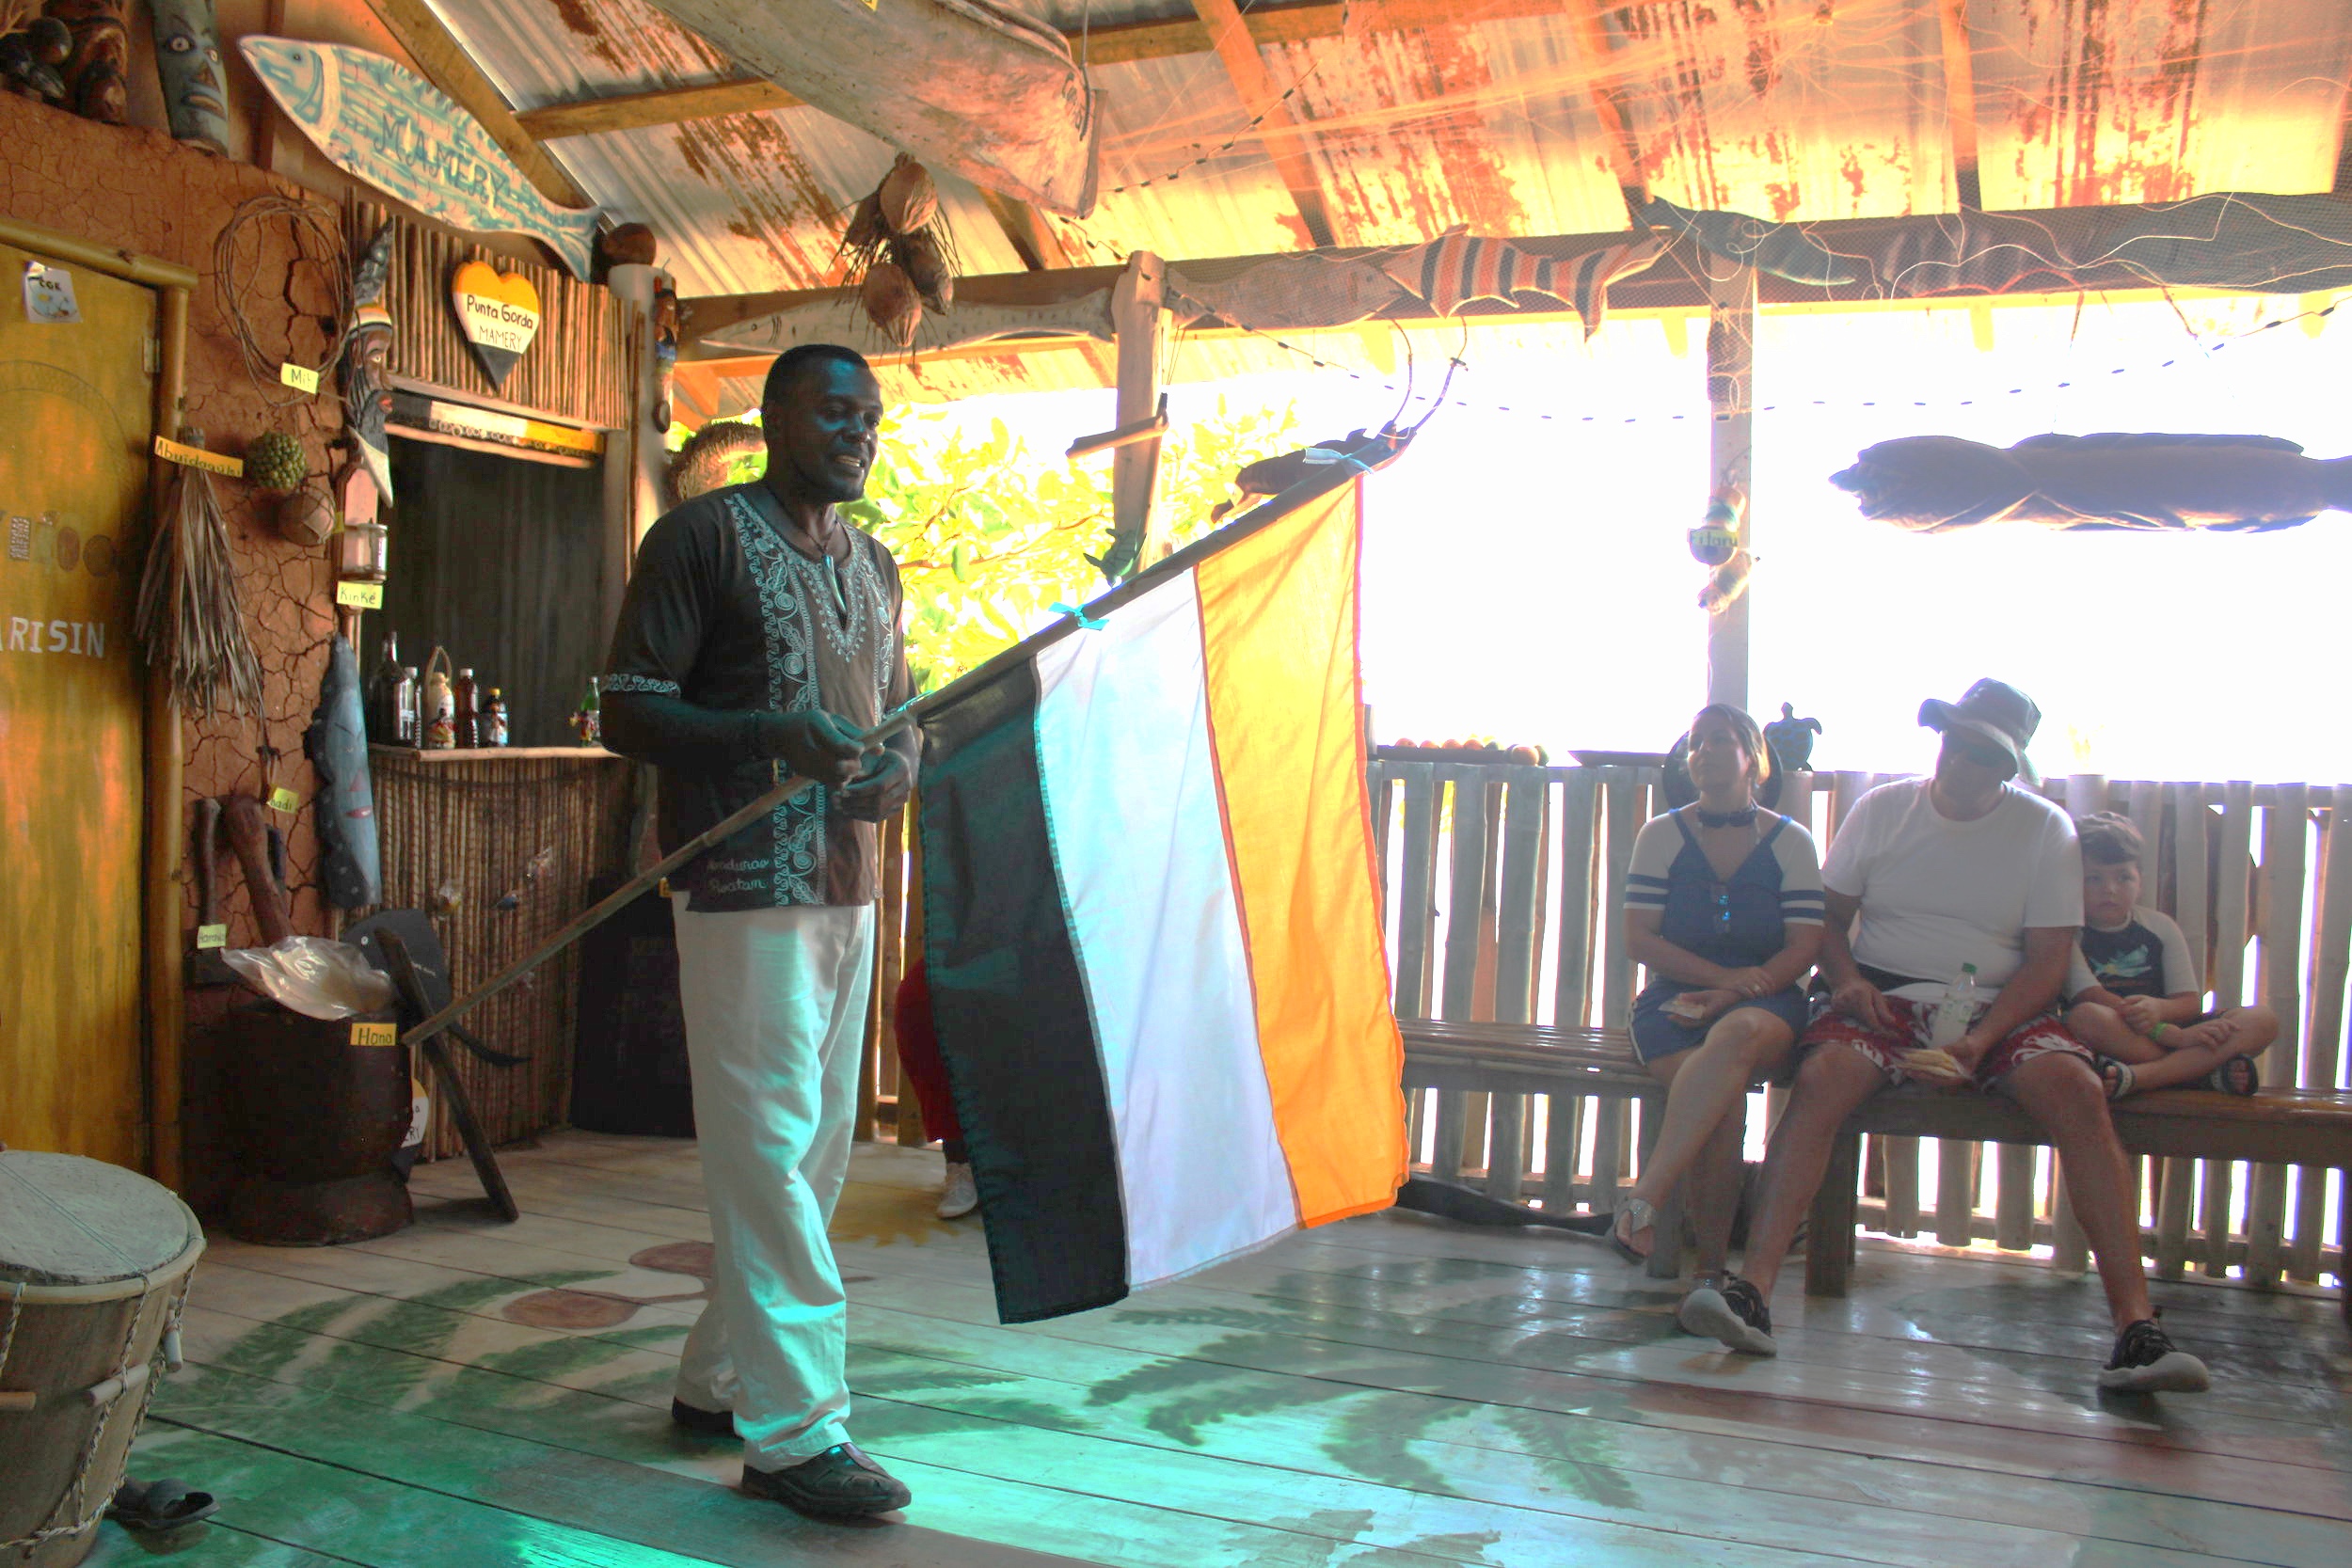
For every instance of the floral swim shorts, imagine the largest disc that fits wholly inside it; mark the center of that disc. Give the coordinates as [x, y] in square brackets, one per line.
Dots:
[2042, 1035]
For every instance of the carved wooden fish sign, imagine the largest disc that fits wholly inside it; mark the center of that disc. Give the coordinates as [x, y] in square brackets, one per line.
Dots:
[2231, 483]
[402, 135]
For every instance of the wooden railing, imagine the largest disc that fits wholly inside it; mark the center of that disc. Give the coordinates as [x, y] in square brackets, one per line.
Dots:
[1505, 900]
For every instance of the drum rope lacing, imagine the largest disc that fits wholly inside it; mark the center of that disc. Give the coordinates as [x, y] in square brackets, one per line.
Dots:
[77, 1489]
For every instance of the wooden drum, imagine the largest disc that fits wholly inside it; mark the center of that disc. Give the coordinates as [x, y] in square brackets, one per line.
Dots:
[94, 1268]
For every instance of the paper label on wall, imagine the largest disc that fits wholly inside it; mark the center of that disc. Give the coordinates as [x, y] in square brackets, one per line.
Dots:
[196, 457]
[209, 937]
[282, 798]
[360, 595]
[49, 296]
[498, 314]
[375, 1035]
[300, 377]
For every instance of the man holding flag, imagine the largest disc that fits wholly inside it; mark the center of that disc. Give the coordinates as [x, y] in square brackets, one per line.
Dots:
[759, 629]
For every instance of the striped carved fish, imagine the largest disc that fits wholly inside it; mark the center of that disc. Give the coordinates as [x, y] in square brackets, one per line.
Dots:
[402, 135]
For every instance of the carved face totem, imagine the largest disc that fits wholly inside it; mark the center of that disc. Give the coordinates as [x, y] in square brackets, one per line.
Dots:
[187, 57]
[97, 73]
[367, 378]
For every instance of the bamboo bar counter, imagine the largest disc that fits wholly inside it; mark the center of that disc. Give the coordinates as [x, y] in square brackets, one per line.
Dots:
[502, 847]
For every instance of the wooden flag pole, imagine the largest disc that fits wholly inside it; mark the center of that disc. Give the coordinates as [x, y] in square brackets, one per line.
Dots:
[785, 789]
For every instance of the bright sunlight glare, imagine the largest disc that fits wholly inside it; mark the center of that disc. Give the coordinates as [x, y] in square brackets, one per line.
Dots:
[1527, 580]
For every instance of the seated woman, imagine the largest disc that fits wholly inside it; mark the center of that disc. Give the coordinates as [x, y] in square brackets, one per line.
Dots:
[1724, 908]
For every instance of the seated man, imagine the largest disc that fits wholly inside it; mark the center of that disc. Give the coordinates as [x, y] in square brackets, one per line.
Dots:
[1926, 877]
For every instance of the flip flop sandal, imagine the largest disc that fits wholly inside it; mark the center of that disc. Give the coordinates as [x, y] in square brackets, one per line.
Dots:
[160, 1505]
[2114, 1076]
[1621, 1234]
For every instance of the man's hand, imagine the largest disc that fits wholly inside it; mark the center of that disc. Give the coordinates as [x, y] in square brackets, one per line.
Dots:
[813, 745]
[879, 791]
[1969, 1050]
[1751, 983]
[2141, 1013]
[1864, 1003]
[1694, 1008]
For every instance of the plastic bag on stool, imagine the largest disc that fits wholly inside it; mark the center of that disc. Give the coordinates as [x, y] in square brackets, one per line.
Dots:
[314, 976]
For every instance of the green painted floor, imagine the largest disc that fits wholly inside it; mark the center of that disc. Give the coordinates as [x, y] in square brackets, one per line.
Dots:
[1384, 1393]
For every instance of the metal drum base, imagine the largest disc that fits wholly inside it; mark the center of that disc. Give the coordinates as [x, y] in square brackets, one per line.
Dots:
[318, 1214]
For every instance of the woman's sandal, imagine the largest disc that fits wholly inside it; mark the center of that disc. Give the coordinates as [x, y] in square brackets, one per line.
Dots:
[1643, 1216]
[2116, 1076]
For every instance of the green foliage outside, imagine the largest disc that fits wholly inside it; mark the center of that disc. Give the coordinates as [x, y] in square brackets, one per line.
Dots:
[990, 535]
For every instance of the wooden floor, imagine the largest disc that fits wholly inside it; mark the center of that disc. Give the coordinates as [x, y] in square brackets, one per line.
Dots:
[1384, 1393]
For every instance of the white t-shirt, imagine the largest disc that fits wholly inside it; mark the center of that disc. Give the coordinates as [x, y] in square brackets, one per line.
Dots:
[1937, 894]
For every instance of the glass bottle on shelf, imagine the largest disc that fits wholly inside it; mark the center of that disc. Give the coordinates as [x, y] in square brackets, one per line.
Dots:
[408, 701]
[383, 718]
[588, 723]
[469, 714]
[494, 725]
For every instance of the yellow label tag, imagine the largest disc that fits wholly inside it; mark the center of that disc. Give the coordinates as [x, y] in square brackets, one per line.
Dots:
[360, 595]
[282, 798]
[196, 457]
[301, 378]
[208, 937]
[375, 1034]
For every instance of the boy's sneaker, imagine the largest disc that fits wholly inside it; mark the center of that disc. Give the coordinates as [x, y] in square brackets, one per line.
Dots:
[2147, 1362]
[1736, 1314]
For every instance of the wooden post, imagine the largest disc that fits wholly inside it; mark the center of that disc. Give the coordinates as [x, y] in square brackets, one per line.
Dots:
[1140, 327]
[2233, 896]
[2278, 984]
[1731, 385]
[2322, 1044]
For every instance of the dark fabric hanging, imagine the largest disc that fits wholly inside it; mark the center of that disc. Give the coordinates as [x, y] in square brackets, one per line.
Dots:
[501, 561]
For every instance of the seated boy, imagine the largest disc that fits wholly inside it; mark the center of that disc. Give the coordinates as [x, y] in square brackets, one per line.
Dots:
[2136, 997]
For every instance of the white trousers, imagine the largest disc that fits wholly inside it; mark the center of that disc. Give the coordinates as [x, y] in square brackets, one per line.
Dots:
[775, 1004]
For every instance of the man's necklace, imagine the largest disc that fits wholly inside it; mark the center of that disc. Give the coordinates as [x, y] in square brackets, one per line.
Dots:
[1741, 818]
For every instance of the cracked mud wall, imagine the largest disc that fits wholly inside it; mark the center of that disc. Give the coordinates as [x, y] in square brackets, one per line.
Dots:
[139, 190]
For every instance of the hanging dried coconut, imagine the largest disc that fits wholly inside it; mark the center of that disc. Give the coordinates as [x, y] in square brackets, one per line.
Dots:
[892, 302]
[921, 257]
[909, 200]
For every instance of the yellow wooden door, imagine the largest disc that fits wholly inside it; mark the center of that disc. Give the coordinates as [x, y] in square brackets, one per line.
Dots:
[77, 415]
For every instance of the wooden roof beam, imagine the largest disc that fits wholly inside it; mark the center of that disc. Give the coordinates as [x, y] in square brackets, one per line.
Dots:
[1608, 94]
[1238, 49]
[448, 67]
[1299, 21]
[1960, 100]
[633, 111]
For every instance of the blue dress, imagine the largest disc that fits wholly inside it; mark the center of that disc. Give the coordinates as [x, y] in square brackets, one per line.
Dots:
[1737, 924]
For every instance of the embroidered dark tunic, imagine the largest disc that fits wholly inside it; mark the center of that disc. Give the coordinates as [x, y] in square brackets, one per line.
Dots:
[730, 609]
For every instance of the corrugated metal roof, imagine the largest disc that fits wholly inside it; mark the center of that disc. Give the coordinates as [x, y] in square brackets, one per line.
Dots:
[1790, 109]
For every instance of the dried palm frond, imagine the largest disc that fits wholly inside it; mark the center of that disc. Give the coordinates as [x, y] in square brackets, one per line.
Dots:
[189, 619]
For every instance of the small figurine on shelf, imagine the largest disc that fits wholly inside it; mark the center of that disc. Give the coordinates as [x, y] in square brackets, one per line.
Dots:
[588, 723]
[493, 721]
[436, 709]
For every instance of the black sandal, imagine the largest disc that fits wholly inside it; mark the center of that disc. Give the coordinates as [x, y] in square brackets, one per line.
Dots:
[2115, 1075]
[160, 1505]
[2238, 1075]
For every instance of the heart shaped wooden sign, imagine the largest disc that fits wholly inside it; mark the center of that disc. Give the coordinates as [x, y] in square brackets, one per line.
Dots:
[499, 315]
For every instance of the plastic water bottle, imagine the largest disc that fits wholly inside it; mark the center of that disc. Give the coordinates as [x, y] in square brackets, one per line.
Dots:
[1956, 1011]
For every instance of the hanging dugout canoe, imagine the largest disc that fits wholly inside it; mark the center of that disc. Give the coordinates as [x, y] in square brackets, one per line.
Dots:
[984, 87]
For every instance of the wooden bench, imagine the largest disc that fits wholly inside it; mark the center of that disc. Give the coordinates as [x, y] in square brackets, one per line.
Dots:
[2279, 1127]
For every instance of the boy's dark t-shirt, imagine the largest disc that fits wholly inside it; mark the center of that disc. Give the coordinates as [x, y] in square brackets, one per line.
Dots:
[2147, 955]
